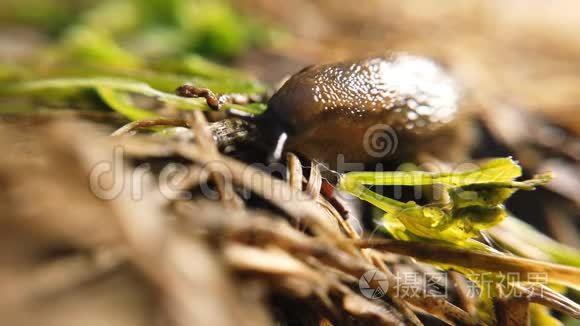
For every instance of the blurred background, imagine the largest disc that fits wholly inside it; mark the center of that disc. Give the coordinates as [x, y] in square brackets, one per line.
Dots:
[519, 61]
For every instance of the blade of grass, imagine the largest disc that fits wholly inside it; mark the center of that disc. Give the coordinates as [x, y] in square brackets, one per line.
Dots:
[124, 85]
[559, 274]
[121, 102]
[501, 170]
[528, 235]
[111, 83]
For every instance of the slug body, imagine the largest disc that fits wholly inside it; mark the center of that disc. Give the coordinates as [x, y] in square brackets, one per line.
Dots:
[403, 103]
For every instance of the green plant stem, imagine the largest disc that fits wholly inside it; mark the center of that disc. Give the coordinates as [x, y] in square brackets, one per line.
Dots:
[352, 185]
[121, 85]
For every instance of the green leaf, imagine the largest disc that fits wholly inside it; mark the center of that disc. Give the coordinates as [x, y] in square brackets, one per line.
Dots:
[84, 44]
[112, 16]
[199, 66]
[216, 29]
[476, 200]
[123, 85]
[121, 102]
[110, 83]
[529, 236]
[495, 170]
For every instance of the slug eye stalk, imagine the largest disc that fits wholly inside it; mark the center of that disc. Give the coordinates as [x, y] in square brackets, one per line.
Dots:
[476, 200]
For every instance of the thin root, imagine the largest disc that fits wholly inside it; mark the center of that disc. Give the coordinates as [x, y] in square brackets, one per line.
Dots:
[149, 123]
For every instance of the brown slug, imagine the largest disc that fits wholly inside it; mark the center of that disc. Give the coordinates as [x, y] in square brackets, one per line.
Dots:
[362, 111]
[332, 109]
